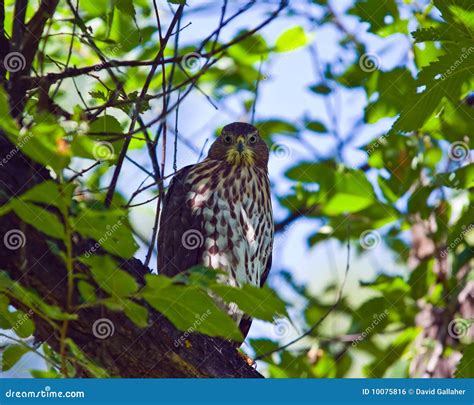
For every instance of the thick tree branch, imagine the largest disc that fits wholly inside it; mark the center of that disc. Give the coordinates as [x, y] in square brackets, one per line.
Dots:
[130, 351]
[26, 41]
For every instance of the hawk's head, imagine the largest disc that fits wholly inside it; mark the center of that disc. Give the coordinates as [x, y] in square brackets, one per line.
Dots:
[240, 144]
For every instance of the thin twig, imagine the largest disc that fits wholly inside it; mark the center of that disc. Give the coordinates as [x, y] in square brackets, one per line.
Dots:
[79, 174]
[71, 72]
[176, 132]
[157, 60]
[320, 320]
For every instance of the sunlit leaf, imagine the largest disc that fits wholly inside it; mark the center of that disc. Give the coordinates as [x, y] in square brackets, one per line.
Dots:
[293, 38]
[11, 355]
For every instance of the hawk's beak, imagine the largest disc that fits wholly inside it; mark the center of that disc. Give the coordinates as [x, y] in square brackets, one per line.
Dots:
[240, 144]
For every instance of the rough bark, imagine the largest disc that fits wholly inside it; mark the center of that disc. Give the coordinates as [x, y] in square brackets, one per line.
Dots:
[131, 351]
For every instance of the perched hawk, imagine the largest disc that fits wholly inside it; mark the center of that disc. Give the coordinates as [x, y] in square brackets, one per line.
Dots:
[218, 213]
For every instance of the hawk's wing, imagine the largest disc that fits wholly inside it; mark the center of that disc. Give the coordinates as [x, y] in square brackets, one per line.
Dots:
[180, 237]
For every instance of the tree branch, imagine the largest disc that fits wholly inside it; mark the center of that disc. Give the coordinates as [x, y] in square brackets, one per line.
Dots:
[320, 320]
[130, 351]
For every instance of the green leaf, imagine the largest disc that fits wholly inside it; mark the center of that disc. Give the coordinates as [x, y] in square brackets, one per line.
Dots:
[32, 300]
[420, 278]
[351, 192]
[457, 120]
[377, 368]
[87, 291]
[156, 282]
[200, 276]
[7, 123]
[22, 323]
[50, 193]
[432, 156]
[344, 202]
[261, 303]
[38, 218]
[262, 346]
[138, 314]
[312, 172]
[109, 277]
[462, 178]
[465, 367]
[11, 355]
[106, 124]
[95, 370]
[439, 33]
[45, 374]
[443, 79]
[250, 50]
[133, 96]
[316, 126]
[18, 321]
[320, 88]
[293, 38]
[191, 309]
[45, 143]
[5, 322]
[426, 54]
[375, 12]
[87, 147]
[100, 95]
[109, 228]
[417, 203]
[271, 127]
[393, 88]
[126, 6]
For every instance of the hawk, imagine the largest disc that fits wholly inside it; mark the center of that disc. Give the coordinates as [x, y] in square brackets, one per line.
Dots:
[218, 213]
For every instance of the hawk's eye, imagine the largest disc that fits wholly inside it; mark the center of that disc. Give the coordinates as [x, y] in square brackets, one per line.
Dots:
[227, 139]
[253, 139]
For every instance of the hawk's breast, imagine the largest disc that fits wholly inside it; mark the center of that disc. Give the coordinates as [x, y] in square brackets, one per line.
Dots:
[234, 205]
